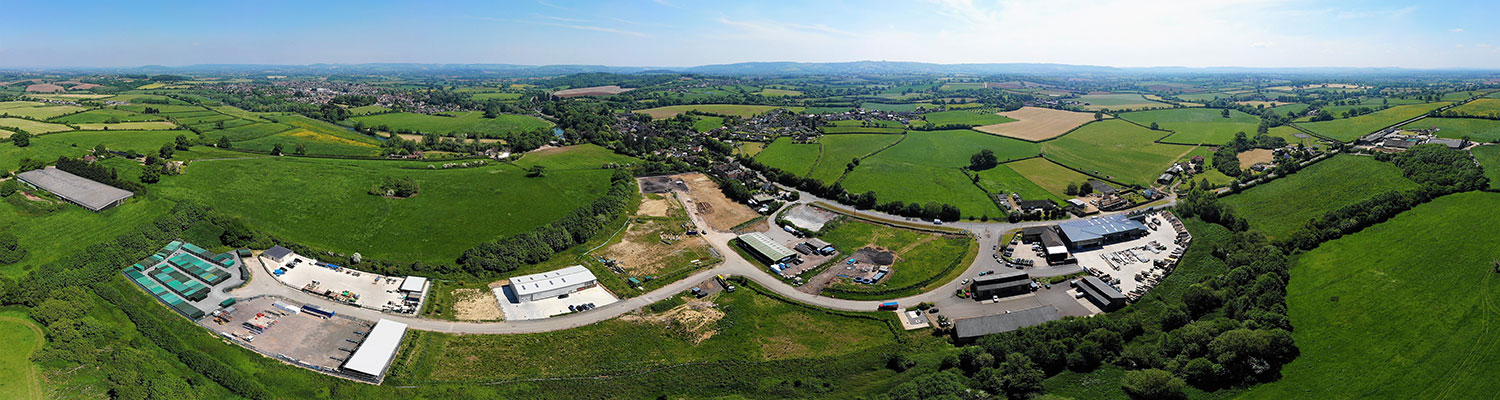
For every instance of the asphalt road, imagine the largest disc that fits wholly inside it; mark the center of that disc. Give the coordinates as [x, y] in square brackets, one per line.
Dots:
[986, 232]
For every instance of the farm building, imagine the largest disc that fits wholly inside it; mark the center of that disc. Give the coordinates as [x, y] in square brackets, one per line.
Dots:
[1099, 231]
[1451, 143]
[1002, 284]
[373, 355]
[1057, 249]
[554, 283]
[75, 189]
[970, 328]
[1036, 205]
[1101, 294]
[277, 254]
[822, 246]
[764, 248]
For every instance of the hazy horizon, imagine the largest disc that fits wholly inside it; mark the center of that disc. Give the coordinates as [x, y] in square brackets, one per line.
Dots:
[1453, 34]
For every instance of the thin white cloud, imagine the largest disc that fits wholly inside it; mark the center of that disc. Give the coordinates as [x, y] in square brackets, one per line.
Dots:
[556, 18]
[545, 3]
[665, 3]
[1456, 30]
[581, 27]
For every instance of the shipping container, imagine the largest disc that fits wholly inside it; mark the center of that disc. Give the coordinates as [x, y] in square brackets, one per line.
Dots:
[314, 310]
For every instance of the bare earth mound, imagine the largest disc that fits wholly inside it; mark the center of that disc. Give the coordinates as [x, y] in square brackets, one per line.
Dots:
[1035, 123]
[592, 91]
[476, 305]
[1256, 156]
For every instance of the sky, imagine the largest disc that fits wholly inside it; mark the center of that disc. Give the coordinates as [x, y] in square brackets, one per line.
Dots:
[678, 33]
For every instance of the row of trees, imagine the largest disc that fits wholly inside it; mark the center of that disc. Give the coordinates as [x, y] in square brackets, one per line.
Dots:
[391, 186]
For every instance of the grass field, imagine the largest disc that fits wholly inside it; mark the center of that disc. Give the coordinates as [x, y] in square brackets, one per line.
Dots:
[1489, 158]
[1048, 175]
[1002, 179]
[106, 114]
[1375, 302]
[1197, 125]
[1035, 123]
[705, 124]
[744, 111]
[583, 156]
[1115, 149]
[37, 227]
[783, 154]
[859, 129]
[42, 112]
[467, 122]
[778, 92]
[77, 144]
[1284, 205]
[33, 127]
[247, 132]
[238, 113]
[1479, 130]
[923, 260]
[1349, 129]
[826, 110]
[953, 148]
[1117, 101]
[750, 149]
[374, 109]
[19, 378]
[965, 117]
[1479, 107]
[839, 150]
[325, 204]
[894, 106]
[130, 126]
[318, 136]
[894, 180]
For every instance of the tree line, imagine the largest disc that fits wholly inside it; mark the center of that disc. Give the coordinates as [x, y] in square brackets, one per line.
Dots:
[508, 253]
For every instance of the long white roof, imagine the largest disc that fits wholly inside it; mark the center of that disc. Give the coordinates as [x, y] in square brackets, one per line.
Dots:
[413, 284]
[537, 283]
[379, 348]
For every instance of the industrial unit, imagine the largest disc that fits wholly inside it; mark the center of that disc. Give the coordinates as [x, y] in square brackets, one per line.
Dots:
[374, 355]
[1099, 231]
[75, 189]
[1002, 284]
[1100, 293]
[551, 284]
[970, 328]
[767, 250]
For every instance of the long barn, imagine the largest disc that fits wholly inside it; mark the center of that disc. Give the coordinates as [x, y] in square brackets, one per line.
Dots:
[75, 189]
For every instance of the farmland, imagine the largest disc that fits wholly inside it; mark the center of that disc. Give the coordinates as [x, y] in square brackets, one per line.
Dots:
[1051, 177]
[468, 122]
[32, 126]
[319, 138]
[104, 115]
[965, 117]
[1479, 130]
[783, 154]
[1002, 179]
[839, 150]
[18, 376]
[1489, 157]
[705, 124]
[1037, 124]
[1481, 107]
[325, 203]
[76, 144]
[924, 260]
[954, 147]
[918, 184]
[1115, 149]
[133, 126]
[1118, 101]
[1349, 129]
[41, 111]
[1281, 206]
[1196, 125]
[1434, 341]
[743, 111]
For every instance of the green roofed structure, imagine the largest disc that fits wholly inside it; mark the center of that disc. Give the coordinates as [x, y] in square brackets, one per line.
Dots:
[185, 277]
[766, 249]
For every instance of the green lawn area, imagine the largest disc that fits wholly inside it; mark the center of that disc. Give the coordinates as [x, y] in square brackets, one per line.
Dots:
[977, 117]
[952, 148]
[1002, 179]
[51, 233]
[740, 110]
[1116, 149]
[1117, 101]
[783, 154]
[1489, 157]
[106, 114]
[465, 122]
[1479, 130]
[1196, 125]
[79, 143]
[43, 112]
[19, 377]
[583, 156]
[924, 260]
[1349, 129]
[33, 127]
[1286, 204]
[1411, 316]
[705, 124]
[839, 150]
[326, 204]
[894, 180]
[1048, 175]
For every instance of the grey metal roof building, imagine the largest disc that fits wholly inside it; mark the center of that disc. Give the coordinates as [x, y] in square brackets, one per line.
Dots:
[277, 253]
[552, 283]
[1103, 295]
[969, 328]
[75, 189]
[1098, 230]
[375, 354]
[1001, 284]
[766, 248]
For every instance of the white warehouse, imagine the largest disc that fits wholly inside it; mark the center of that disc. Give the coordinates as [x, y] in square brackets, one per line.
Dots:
[551, 284]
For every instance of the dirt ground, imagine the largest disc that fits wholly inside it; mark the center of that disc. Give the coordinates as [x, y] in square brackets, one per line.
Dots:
[656, 207]
[721, 213]
[1256, 156]
[591, 91]
[649, 244]
[472, 304]
[693, 320]
[1035, 123]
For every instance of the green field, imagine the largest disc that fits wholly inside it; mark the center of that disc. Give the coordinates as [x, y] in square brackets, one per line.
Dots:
[1116, 149]
[33, 127]
[1117, 101]
[465, 122]
[79, 143]
[965, 117]
[106, 114]
[1284, 205]
[1489, 158]
[1003, 180]
[743, 111]
[1196, 125]
[1048, 175]
[1484, 107]
[786, 155]
[897, 107]
[1479, 130]
[1411, 316]
[924, 260]
[839, 150]
[325, 204]
[705, 124]
[318, 136]
[859, 129]
[479, 97]
[1349, 129]
[778, 92]
[42, 112]
[918, 184]
[826, 110]
[19, 378]
[583, 156]
[130, 126]
[952, 148]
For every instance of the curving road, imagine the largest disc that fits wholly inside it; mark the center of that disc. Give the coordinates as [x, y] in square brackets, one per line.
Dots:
[263, 284]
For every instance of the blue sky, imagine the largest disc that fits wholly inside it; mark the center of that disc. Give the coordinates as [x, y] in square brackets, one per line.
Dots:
[1256, 33]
